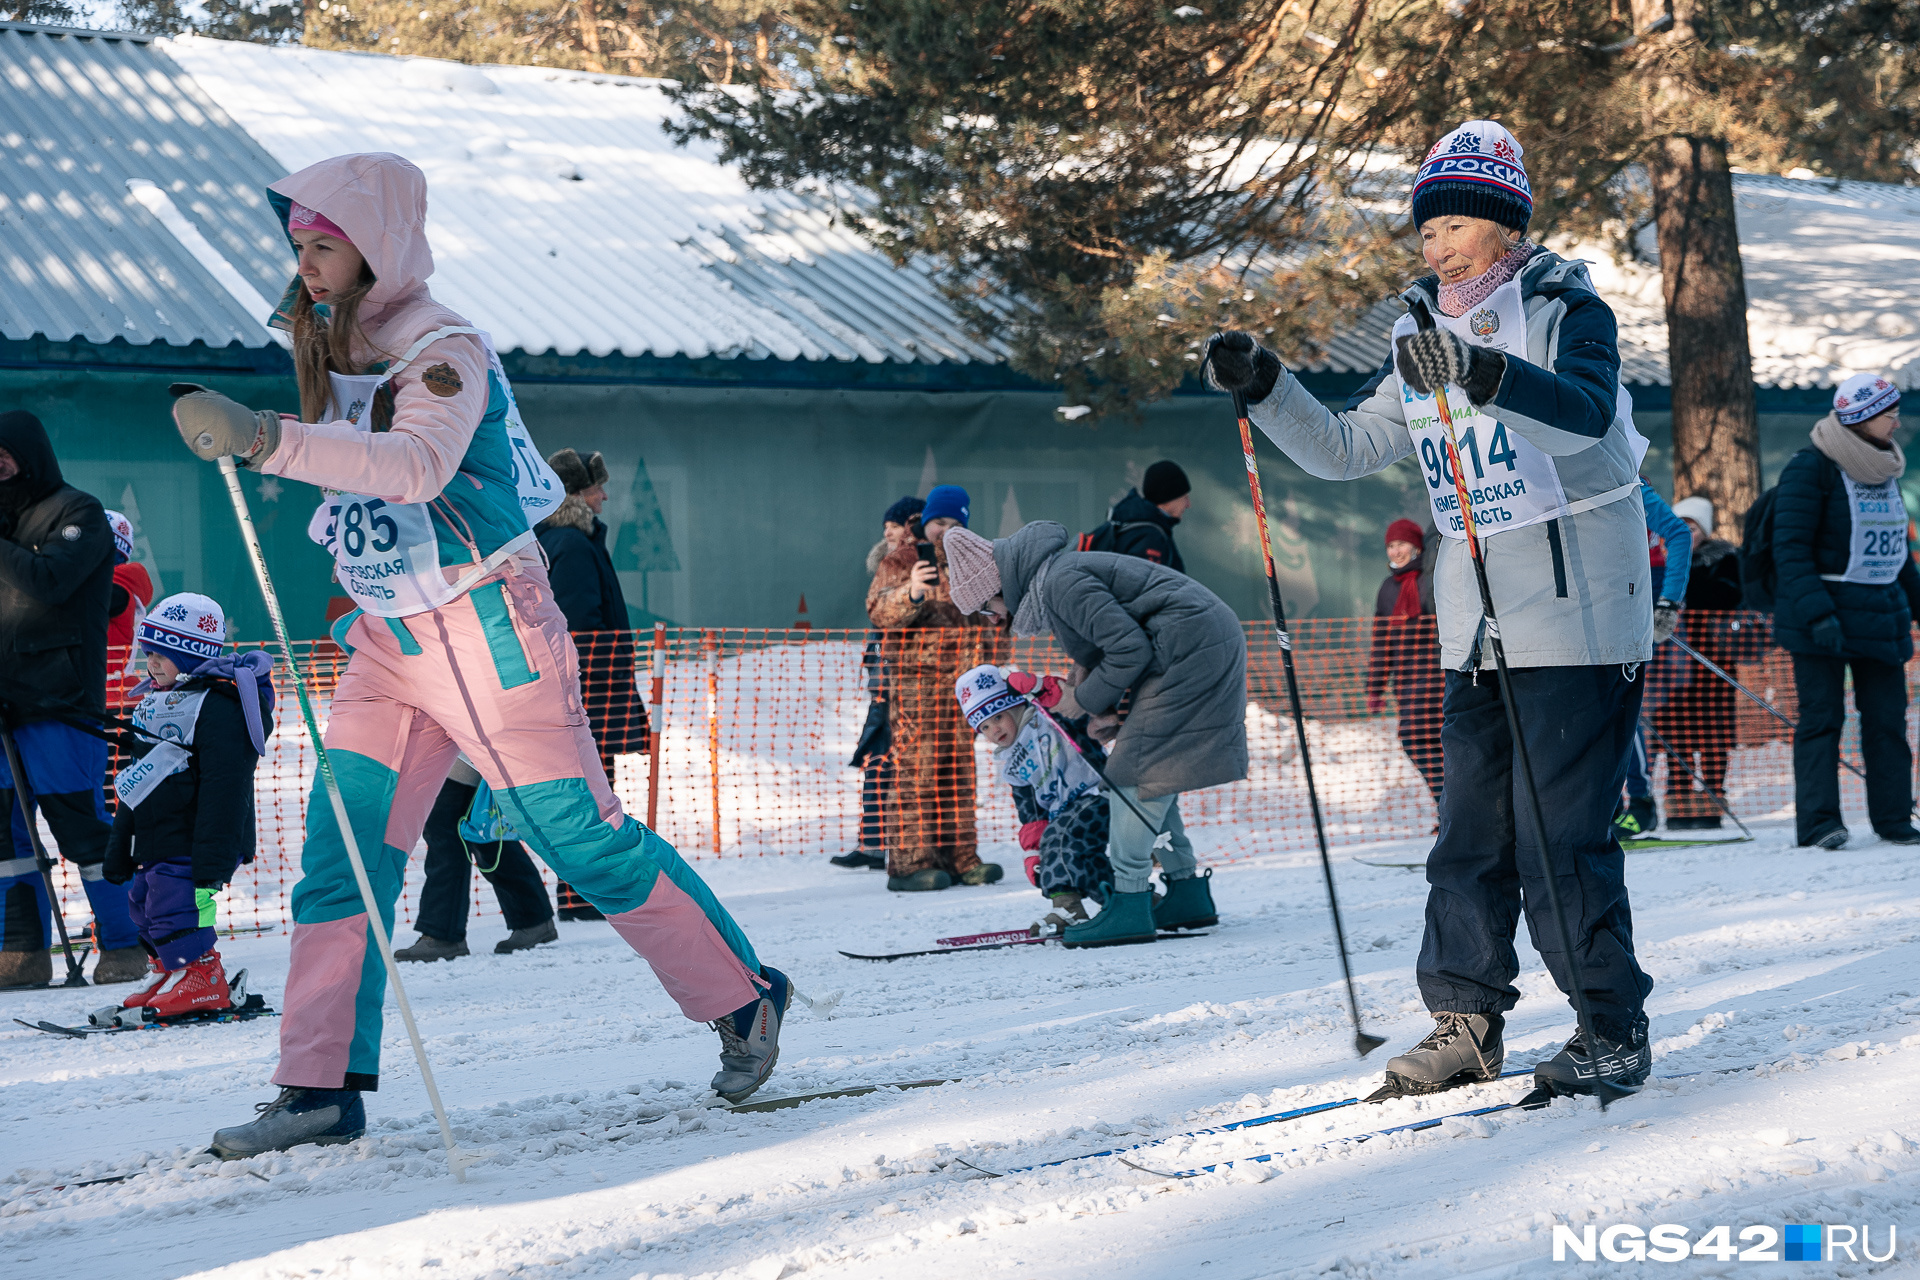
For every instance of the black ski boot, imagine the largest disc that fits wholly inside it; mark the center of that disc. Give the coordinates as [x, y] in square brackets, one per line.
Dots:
[1636, 820]
[1462, 1049]
[1624, 1064]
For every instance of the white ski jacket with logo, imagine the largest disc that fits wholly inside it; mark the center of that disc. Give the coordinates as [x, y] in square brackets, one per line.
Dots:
[1554, 473]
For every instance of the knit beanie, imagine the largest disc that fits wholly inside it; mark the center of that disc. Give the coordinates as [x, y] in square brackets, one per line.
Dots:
[1863, 396]
[301, 218]
[578, 473]
[189, 628]
[1406, 531]
[1164, 482]
[122, 537]
[1697, 509]
[945, 502]
[984, 694]
[1474, 172]
[973, 577]
[904, 510]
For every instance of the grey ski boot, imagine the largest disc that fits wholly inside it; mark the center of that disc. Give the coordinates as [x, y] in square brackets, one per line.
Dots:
[324, 1117]
[750, 1039]
[534, 935]
[1462, 1049]
[433, 949]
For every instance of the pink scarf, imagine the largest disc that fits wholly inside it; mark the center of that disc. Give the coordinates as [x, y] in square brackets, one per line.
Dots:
[1456, 298]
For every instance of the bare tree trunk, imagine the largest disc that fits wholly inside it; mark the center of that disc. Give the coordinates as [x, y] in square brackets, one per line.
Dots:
[590, 34]
[1716, 439]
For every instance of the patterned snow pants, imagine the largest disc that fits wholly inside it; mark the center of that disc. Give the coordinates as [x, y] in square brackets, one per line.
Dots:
[1073, 850]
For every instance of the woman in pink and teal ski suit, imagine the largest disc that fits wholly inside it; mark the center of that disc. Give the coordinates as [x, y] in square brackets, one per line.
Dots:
[458, 646]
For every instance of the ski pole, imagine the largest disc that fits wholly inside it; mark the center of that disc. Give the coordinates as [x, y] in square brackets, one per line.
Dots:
[1363, 1043]
[455, 1160]
[23, 796]
[1759, 701]
[1697, 776]
[1607, 1092]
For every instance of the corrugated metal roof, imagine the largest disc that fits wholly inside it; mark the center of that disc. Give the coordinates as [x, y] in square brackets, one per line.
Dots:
[563, 218]
[82, 114]
[622, 242]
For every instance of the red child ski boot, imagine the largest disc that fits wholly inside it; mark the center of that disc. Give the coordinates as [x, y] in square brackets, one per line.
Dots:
[156, 976]
[201, 987]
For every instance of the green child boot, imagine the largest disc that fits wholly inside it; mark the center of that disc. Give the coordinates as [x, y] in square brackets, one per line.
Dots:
[1127, 918]
[1188, 904]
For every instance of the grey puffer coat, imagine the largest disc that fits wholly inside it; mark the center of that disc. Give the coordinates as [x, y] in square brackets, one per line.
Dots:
[1141, 627]
[1571, 591]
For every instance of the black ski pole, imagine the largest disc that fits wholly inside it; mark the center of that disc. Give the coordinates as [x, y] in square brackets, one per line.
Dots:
[1694, 769]
[23, 796]
[1758, 701]
[1607, 1092]
[1363, 1043]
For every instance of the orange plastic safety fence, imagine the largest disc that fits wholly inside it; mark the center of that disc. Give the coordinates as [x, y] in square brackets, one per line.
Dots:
[754, 731]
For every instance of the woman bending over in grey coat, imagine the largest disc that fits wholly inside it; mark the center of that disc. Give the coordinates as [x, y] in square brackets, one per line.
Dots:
[1168, 647]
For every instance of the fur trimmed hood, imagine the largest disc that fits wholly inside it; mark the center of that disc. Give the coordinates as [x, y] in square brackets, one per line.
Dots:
[574, 513]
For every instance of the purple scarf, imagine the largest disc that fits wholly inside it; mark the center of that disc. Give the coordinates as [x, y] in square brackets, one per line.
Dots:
[1456, 298]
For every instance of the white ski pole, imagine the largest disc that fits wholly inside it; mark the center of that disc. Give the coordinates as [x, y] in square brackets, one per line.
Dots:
[456, 1161]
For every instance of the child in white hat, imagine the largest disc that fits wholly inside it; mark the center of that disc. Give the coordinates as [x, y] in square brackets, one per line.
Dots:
[1056, 792]
[185, 821]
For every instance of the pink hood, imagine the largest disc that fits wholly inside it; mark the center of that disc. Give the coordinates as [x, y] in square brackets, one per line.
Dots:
[380, 201]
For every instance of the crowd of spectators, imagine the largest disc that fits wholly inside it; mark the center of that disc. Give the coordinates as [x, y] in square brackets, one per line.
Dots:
[1827, 560]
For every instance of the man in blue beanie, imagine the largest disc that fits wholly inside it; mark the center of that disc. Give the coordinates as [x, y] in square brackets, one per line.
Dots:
[944, 502]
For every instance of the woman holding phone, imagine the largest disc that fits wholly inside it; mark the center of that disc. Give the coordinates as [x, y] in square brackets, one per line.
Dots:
[930, 836]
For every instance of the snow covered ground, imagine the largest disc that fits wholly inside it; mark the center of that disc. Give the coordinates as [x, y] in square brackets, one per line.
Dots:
[573, 1073]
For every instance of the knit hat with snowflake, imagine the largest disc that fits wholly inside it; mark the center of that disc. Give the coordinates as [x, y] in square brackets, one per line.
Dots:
[188, 628]
[1474, 172]
[1863, 396]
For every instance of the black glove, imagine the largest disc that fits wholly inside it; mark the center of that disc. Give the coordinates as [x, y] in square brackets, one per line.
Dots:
[118, 867]
[1235, 362]
[1666, 617]
[1827, 635]
[1433, 358]
[215, 885]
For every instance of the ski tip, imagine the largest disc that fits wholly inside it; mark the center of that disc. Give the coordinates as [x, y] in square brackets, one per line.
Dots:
[1364, 1044]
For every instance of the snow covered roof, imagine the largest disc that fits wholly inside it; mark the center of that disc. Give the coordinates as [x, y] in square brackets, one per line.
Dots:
[130, 206]
[105, 145]
[623, 242]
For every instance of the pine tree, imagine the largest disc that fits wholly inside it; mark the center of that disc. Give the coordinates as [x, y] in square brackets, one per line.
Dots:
[718, 41]
[1105, 181]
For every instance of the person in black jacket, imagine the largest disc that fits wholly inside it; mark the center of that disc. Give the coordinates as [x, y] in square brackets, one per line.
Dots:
[588, 593]
[1697, 718]
[185, 820]
[56, 574]
[1141, 524]
[1846, 598]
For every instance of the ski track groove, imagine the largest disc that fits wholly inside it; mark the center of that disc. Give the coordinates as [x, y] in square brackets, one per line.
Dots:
[1807, 968]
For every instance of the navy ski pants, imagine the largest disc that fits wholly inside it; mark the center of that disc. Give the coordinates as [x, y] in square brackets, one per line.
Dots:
[1485, 870]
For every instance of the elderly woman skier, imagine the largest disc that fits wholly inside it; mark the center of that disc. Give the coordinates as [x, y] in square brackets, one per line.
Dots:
[1553, 457]
[458, 647]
